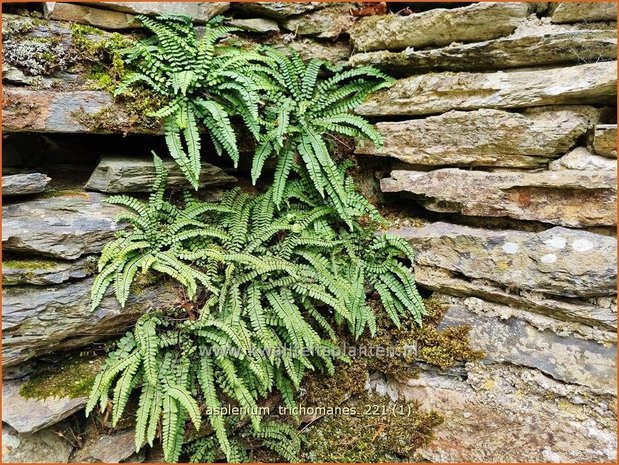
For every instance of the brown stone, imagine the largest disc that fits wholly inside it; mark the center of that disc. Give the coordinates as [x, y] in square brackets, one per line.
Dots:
[325, 23]
[437, 27]
[105, 19]
[572, 12]
[605, 140]
[491, 138]
[593, 83]
[567, 198]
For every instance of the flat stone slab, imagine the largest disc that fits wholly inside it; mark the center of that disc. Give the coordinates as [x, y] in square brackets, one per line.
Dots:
[199, 11]
[566, 198]
[326, 23]
[64, 227]
[45, 446]
[593, 83]
[24, 184]
[439, 26]
[511, 340]
[559, 261]
[260, 25]
[40, 320]
[115, 174]
[105, 19]
[492, 138]
[581, 159]
[535, 45]
[109, 448]
[30, 415]
[572, 12]
[277, 10]
[605, 140]
[41, 272]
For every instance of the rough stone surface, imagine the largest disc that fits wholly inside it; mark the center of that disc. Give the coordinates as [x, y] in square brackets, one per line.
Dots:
[593, 83]
[506, 339]
[559, 261]
[109, 448]
[41, 447]
[336, 52]
[541, 45]
[30, 415]
[573, 12]
[277, 10]
[437, 27]
[199, 11]
[605, 140]
[485, 137]
[24, 184]
[567, 198]
[41, 320]
[45, 272]
[504, 414]
[61, 227]
[131, 174]
[581, 159]
[326, 23]
[261, 25]
[105, 19]
[591, 318]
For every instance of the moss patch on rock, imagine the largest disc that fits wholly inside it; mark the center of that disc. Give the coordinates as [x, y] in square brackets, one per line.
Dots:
[72, 378]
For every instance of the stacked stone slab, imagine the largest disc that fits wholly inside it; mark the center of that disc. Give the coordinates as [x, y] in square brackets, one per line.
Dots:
[500, 128]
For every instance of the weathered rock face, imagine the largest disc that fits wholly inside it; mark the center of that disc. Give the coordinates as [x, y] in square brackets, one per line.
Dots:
[507, 339]
[567, 198]
[41, 320]
[564, 12]
[105, 19]
[337, 52]
[199, 11]
[45, 446]
[559, 261]
[30, 415]
[592, 318]
[605, 140]
[277, 10]
[541, 45]
[581, 159]
[501, 413]
[326, 23]
[24, 184]
[440, 92]
[131, 174]
[45, 272]
[256, 24]
[479, 21]
[492, 138]
[63, 227]
[112, 448]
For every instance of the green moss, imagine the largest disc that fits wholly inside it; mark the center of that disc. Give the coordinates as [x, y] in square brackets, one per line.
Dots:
[29, 264]
[374, 429]
[73, 378]
[333, 390]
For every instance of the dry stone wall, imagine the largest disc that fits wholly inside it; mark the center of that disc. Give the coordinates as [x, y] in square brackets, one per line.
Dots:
[499, 167]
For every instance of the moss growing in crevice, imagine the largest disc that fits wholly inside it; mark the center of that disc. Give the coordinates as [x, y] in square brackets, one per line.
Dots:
[72, 378]
[375, 430]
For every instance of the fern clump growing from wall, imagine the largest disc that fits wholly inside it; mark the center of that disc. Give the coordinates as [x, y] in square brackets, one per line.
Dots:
[269, 279]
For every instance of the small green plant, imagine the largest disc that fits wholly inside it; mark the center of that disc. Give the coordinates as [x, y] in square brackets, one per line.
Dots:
[270, 279]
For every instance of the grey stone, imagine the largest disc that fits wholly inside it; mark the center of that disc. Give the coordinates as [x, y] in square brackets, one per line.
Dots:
[39, 320]
[199, 11]
[260, 25]
[593, 83]
[45, 446]
[277, 10]
[567, 198]
[63, 227]
[498, 413]
[572, 12]
[115, 174]
[333, 52]
[605, 140]
[24, 184]
[40, 272]
[105, 19]
[439, 26]
[591, 319]
[492, 138]
[506, 339]
[326, 23]
[581, 159]
[109, 448]
[30, 415]
[537, 45]
[559, 261]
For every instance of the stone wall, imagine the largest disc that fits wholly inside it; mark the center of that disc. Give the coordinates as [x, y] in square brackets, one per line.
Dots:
[499, 166]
